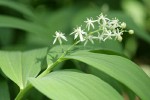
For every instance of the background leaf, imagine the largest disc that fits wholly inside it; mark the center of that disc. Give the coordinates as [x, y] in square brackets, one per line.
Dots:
[6, 36]
[18, 7]
[119, 68]
[12, 22]
[19, 66]
[69, 85]
[4, 91]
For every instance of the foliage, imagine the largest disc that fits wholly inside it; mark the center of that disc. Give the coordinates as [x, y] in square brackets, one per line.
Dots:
[31, 65]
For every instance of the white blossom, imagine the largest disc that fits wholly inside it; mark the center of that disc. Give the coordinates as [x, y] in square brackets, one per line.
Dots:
[102, 20]
[113, 24]
[117, 34]
[78, 32]
[100, 37]
[106, 29]
[89, 22]
[131, 31]
[59, 36]
[89, 38]
[107, 34]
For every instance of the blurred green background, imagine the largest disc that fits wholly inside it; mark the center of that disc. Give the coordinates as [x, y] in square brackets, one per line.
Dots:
[31, 24]
[28, 24]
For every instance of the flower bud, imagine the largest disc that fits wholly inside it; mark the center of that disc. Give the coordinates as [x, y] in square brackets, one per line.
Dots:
[131, 31]
[119, 38]
[123, 25]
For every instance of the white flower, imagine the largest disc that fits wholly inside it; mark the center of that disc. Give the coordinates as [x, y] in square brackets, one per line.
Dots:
[107, 34]
[117, 34]
[78, 32]
[114, 23]
[89, 38]
[100, 37]
[89, 22]
[58, 36]
[102, 20]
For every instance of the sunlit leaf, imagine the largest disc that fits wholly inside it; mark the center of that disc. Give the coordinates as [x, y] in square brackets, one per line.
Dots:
[70, 85]
[19, 66]
[119, 68]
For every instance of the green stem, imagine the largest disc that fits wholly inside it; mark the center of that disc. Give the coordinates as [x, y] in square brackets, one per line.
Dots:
[50, 67]
[95, 31]
[23, 92]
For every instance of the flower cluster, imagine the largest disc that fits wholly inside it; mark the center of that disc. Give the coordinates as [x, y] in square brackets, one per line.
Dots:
[105, 29]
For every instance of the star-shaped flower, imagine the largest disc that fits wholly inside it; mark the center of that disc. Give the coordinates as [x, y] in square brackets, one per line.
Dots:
[89, 22]
[117, 34]
[78, 32]
[114, 24]
[59, 36]
[102, 21]
[100, 37]
[89, 38]
[107, 34]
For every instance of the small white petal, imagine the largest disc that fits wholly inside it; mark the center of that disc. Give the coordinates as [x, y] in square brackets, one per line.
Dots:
[89, 22]
[58, 36]
[54, 41]
[78, 32]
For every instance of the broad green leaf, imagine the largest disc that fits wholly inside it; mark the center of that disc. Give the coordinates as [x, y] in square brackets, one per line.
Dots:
[4, 91]
[18, 7]
[12, 22]
[6, 36]
[114, 83]
[70, 85]
[120, 69]
[105, 77]
[19, 66]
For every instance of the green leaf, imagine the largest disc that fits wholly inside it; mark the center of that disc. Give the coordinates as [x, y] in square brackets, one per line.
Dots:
[4, 91]
[69, 85]
[12, 22]
[105, 77]
[119, 68]
[19, 66]
[6, 36]
[130, 47]
[18, 7]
